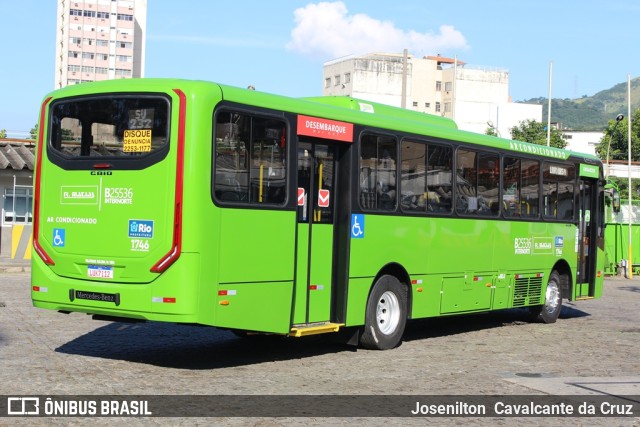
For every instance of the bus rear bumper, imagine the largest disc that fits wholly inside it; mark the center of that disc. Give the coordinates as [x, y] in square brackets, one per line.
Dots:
[167, 298]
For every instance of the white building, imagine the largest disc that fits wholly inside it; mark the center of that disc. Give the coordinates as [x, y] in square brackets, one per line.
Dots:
[475, 97]
[582, 141]
[99, 40]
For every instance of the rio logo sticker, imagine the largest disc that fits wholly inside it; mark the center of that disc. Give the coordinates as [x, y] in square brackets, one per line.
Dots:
[559, 245]
[141, 228]
[357, 226]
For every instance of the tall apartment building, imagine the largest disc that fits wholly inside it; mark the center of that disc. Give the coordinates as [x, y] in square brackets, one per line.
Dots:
[99, 40]
[475, 97]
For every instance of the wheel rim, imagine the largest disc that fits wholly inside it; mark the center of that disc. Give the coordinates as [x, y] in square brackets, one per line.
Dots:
[388, 313]
[552, 297]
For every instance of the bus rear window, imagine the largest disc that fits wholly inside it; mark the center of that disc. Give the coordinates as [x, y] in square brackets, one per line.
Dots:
[120, 126]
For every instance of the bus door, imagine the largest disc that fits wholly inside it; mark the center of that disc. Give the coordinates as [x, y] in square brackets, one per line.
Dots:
[587, 237]
[315, 233]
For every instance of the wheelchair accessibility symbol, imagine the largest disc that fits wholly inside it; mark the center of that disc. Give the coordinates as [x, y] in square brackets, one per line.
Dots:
[357, 226]
[58, 237]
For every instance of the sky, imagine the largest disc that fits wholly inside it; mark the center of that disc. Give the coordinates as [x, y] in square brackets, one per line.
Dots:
[279, 46]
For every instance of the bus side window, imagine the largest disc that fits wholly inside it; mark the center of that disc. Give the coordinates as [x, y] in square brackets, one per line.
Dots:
[558, 190]
[511, 187]
[250, 159]
[378, 160]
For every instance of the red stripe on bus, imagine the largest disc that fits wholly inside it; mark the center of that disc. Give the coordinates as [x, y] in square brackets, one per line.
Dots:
[36, 202]
[172, 256]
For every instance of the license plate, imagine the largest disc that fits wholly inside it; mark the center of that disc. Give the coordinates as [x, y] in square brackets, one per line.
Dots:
[100, 271]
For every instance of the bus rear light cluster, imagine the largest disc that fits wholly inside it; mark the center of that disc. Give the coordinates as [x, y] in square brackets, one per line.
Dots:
[40, 289]
[36, 201]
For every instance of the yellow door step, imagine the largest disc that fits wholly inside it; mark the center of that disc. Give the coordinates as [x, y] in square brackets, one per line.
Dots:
[584, 298]
[314, 328]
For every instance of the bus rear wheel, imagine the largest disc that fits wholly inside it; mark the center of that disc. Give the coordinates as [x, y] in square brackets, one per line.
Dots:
[550, 310]
[386, 314]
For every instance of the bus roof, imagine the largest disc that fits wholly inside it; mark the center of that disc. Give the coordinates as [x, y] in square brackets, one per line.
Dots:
[382, 109]
[334, 107]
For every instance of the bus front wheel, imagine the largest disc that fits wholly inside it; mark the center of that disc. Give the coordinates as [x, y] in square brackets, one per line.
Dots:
[386, 314]
[550, 310]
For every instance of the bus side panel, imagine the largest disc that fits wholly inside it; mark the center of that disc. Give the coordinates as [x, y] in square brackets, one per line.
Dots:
[429, 247]
[256, 260]
[425, 296]
[256, 245]
[479, 258]
[357, 296]
[263, 307]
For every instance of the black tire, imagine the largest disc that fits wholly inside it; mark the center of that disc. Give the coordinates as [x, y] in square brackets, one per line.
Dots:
[386, 314]
[550, 310]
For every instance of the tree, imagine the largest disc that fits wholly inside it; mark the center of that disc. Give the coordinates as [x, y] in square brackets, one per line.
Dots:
[34, 132]
[3, 133]
[536, 133]
[616, 139]
[492, 131]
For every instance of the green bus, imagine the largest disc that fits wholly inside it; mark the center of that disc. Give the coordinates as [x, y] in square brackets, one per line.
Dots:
[195, 202]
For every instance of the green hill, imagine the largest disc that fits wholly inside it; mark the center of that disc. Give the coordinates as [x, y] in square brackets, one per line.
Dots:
[591, 112]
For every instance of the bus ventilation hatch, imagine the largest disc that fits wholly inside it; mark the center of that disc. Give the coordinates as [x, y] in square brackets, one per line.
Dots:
[527, 291]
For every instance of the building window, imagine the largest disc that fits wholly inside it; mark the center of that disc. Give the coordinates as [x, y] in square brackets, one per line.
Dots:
[75, 12]
[102, 43]
[17, 205]
[125, 45]
[327, 82]
[347, 78]
[123, 58]
[124, 17]
[87, 55]
[73, 54]
[101, 70]
[437, 107]
[75, 40]
[88, 69]
[103, 15]
[448, 86]
[447, 107]
[415, 103]
[427, 105]
[89, 14]
[336, 80]
[438, 86]
[123, 73]
[73, 68]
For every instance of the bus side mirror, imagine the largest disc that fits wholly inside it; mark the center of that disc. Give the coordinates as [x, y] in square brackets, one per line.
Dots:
[612, 197]
[615, 201]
